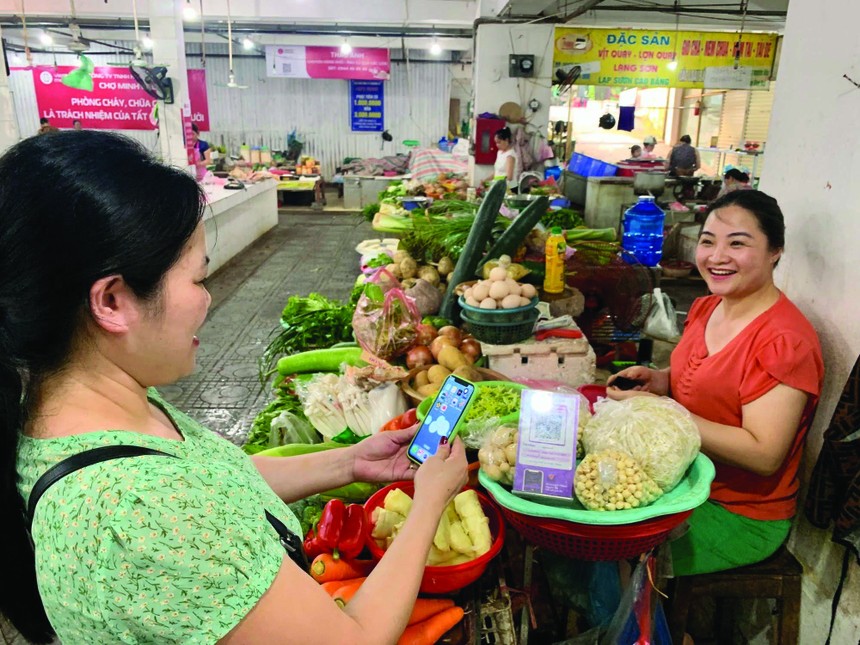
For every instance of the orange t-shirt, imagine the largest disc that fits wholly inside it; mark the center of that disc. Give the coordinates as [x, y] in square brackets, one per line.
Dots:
[779, 346]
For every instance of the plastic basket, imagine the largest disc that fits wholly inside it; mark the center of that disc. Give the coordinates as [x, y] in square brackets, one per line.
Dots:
[517, 314]
[579, 163]
[600, 168]
[501, 333]
[424, 406]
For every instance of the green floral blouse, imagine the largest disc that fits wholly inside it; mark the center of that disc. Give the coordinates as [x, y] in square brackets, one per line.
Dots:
[152, 549]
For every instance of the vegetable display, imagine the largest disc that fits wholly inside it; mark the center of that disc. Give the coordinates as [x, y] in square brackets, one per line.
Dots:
[658, 433]
[563, 217]
[462, 535]
[611, 480]
[385, 321]
[262, 434]
[498, 455]
[340, 531]
[510, 240]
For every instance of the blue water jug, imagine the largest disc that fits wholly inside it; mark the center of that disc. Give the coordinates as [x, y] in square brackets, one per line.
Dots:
[643, 231]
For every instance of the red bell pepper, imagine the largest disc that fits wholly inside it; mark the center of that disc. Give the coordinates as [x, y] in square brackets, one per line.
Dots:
[405, 420]
[341, 529]
[312, 545]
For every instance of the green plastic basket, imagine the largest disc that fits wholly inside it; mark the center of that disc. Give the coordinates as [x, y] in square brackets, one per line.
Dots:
[691, 492]
[501, 333]
[517, 314]
[424, 406]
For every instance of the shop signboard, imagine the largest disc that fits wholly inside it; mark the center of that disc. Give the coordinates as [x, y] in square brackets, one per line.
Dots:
[295, 61]
[367, 106]
[641, 58]
[117, 101]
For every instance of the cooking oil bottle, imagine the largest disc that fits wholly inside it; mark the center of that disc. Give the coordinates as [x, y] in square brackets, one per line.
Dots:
[556, 246]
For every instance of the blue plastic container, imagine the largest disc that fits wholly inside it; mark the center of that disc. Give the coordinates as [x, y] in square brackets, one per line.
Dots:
[552, 171]
[602, 169]
[643, 232]
[590, 167]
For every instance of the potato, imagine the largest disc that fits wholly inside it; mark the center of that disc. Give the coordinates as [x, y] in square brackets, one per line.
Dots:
[409, 268]
[394, 269]
[438, 373]
[428, 390]
[422, 378]
[399, 256]
[452, 358]
[469, 373]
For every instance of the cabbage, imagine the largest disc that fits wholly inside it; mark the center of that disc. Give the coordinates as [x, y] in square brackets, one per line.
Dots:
[656, 431]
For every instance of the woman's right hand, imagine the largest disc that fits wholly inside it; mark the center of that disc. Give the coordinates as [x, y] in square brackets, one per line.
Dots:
[440, 478]
[653, 381]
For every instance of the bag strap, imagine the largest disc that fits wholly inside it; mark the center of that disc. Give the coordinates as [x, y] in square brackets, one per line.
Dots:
[834, 606]
[77, 462]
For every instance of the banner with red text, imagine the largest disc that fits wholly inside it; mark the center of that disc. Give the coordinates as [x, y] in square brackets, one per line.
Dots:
[297, 61]
[116, 102]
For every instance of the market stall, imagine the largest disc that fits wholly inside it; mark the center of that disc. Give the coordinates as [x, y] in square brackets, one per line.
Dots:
[453, 303]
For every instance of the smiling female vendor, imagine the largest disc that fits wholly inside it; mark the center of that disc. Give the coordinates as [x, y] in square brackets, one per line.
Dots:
[749, 368]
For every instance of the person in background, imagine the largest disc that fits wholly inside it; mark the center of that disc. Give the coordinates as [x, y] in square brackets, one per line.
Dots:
[734, 179]
[101, 296]
[649, 142]
[749, 369]
[635, 152]
[203, 154]
[507, 161]
[76, 124]
[684, 158]
[45, 127]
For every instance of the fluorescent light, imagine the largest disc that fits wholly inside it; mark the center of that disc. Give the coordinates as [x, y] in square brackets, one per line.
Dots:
[189, 12]
[673, 65]
[146, 41]
[436, 48]
[46, 38]
[247, 43]
[345, 47]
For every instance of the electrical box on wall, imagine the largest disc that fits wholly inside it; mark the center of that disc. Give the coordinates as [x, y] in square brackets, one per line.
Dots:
[521, 65]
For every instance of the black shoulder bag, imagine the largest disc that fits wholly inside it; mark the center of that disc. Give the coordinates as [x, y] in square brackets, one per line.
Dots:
[289, 540]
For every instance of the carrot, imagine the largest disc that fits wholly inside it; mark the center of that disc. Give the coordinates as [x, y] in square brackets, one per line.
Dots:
[426, 607]
[325, 568]
[343, 595]
[334, 585]
[431, 630]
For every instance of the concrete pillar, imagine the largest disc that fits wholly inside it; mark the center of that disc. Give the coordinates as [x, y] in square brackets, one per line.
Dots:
[9, 134]
[168, 48]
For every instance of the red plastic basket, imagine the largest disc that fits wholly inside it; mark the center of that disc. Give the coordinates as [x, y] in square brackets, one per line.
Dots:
[592, 542]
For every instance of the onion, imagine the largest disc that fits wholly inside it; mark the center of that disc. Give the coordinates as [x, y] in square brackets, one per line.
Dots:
[419, 356]
[471, 349]
[452, 332]
[438, 343]
[426, 334]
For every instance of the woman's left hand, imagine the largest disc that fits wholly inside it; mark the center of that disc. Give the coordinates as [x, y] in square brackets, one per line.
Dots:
[382, 457]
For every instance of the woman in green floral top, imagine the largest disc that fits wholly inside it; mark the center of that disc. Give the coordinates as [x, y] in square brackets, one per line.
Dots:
[102, 262]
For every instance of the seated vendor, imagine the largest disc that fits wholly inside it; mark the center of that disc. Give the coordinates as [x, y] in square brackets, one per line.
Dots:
[749, 368]
[734, 179]
[684, 158]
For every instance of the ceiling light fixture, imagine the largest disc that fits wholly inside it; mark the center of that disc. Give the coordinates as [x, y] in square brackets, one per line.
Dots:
[345, 47]
[673, 64]
[435, 48]
[46, 39]
[247, 43]
[189, 12]
[146, 41]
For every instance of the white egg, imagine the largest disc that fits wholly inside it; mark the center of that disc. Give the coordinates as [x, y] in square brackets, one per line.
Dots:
[467, 293]
[513, 286]
[480, 291]
[498, 290]
[524, 302]
[488, 303]
[511, 302]
[528, 291]
[498, 274]
[472, 302]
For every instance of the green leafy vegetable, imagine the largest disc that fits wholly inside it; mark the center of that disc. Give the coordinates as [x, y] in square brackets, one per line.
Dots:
[381, 260]
[497, 401]
[566, 218]
[260, 436]
[369, 211]
[308, 511]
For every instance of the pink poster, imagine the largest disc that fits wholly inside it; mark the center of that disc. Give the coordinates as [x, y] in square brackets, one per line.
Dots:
[116, 102]
[360, 64]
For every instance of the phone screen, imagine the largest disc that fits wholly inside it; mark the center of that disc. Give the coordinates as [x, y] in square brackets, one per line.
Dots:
[444, 414]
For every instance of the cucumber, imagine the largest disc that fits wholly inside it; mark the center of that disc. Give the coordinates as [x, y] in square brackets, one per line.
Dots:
[473, 250]
[319, 360]
[510, 240]
[293, 449]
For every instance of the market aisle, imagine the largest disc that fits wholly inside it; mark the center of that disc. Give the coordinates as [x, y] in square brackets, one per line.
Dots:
[303, 254]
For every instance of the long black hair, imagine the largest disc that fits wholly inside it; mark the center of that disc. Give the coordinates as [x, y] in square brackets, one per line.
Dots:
[74, 208]
[763, 207]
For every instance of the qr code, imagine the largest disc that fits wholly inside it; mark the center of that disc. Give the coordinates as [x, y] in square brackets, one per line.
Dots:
[548, 429]
[286, 68]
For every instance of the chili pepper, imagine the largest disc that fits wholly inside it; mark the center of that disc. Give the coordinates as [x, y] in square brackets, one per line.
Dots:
[312, 545]
[331, 523]
[409, 418]
[351, 540]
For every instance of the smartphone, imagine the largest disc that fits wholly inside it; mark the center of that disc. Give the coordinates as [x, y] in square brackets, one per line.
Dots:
[449, 406]
[533, 481]
[624, 383]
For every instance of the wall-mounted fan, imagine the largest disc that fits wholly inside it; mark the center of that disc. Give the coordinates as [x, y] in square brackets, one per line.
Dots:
[566, 79]
[231, 76]
[155, 81]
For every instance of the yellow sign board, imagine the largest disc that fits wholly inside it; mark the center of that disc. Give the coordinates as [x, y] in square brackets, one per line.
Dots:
[642, 58]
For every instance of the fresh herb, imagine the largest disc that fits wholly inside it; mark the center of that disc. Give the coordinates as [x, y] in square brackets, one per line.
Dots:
[435, 237]
[312, 322]
[370, 211]
[493, 402]
[259, 438]
[381, 260]
[308, 511]
[565, 218]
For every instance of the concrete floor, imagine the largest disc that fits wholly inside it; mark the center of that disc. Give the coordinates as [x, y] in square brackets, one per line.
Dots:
[306, 252]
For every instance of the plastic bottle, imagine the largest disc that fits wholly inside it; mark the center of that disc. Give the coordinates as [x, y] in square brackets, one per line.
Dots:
[643, 231]
[556, 246]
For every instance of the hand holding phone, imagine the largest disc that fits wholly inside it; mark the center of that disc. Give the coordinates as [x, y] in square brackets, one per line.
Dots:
[446, 411]
[624, 383]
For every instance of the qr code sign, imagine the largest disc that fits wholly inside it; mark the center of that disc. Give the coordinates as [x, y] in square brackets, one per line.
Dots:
[286, 68]
[548, 429]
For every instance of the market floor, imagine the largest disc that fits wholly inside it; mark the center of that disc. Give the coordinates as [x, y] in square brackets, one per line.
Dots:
[313, 252]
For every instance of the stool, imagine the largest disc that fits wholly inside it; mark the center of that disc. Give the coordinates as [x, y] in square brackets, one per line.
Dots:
[777, 577]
